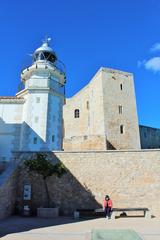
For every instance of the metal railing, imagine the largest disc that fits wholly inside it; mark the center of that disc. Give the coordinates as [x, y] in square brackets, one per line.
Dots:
[59, 65]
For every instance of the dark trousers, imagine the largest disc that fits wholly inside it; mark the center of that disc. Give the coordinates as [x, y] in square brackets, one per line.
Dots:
[107, 212]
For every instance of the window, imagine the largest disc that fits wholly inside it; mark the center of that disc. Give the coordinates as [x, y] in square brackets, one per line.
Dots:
[121, 129]
[36, 119]
[76, 113]
[37, 99]
[85, 137]
[120, 109]
[121, 87]
[35, 140]
[87, 104]
[53, 138]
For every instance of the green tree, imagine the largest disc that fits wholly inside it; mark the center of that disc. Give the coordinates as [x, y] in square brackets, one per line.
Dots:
[45, 168]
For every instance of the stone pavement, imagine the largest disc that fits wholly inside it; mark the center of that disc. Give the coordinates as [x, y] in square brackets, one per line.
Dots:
[66, 228]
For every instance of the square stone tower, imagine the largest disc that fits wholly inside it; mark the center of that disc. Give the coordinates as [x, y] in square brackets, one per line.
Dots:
[103, 114]
[120, 112]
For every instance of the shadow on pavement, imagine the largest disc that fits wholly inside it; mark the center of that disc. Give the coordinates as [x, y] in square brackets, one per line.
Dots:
[18, 224]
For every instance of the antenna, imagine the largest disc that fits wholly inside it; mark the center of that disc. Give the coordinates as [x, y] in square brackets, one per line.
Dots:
[47, 40]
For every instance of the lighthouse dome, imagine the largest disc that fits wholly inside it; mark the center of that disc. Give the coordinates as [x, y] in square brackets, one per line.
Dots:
[45, 53]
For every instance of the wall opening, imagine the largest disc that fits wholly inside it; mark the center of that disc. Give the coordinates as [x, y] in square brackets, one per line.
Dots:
[37, 99]
[121, 129]
[76, 113]
[35, 140]
[87, 104]
[36, 119]
[53, 138]
[120, 109]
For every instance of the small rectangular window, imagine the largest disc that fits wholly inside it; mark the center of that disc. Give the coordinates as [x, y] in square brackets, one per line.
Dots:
[53, 138]
[85, 137]
[37, 99]
[35, 140]
[87, 104]
[121, 87]
[36, 119]
[120, 109]
[121, 129]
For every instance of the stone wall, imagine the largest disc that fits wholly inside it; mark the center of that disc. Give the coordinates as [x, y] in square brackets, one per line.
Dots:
[8, 192]
[131, 178]
[90, 124]
[105, 104]
[150, 137]
[120, 111]
[85, 142]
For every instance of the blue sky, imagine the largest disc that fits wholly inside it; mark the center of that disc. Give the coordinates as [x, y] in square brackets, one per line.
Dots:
[87, 34]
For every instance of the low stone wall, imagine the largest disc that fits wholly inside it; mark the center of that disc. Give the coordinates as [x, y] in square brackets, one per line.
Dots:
[83, 143]
[131, 178]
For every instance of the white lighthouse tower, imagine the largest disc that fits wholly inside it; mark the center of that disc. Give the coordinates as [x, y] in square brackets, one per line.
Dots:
[44, 94]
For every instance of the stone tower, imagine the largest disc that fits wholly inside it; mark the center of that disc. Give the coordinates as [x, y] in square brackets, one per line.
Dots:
[44, 96]
[103, 115]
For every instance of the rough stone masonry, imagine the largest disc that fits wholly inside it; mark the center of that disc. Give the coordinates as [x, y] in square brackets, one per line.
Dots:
[131, 178]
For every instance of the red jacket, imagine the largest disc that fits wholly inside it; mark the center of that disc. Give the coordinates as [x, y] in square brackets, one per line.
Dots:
[109, 203]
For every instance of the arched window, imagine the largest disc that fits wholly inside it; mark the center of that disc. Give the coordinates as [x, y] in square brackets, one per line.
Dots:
[76, 113]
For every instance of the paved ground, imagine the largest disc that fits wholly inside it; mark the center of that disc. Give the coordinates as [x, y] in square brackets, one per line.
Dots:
[18, 228]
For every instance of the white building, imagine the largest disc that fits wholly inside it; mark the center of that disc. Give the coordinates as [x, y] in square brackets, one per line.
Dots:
[32, 120]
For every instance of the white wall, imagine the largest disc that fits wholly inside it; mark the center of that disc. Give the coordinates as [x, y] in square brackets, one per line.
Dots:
[10, 124]
[34, 121]
[54, 123]
[42, 113]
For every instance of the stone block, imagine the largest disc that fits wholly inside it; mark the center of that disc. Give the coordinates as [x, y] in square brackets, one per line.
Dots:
[48, 212]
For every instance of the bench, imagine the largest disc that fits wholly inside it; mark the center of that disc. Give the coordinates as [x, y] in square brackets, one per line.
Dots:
[145, 211]
[88, 213]
[99, 212]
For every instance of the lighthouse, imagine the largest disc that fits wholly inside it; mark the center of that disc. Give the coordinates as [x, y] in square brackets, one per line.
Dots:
[44, 94]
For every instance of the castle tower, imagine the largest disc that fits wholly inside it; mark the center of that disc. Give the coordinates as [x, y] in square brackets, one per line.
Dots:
[103, 115]
[44, 95]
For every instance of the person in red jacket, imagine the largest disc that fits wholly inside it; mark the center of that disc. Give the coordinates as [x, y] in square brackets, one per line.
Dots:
[107, 206]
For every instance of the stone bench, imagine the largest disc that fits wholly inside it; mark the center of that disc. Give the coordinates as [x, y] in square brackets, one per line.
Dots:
[100, 212]
[87, 213]
[145, 211]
